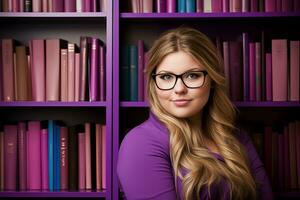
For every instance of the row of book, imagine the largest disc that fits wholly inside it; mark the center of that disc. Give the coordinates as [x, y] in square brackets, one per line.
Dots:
[279, 148]
[212, 6]
[48, 155]
[52, 70]
[256, 74]
[53, 5]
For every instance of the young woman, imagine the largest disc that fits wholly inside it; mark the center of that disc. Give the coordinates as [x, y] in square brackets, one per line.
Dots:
[189, 147]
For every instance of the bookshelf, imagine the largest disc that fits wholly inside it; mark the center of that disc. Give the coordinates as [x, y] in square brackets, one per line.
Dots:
[130, 27]
[26, 26]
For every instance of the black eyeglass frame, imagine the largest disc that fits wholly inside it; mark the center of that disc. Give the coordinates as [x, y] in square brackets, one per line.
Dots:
[179, 76]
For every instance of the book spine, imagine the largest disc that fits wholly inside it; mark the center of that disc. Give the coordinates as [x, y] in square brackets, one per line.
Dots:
[148, 6]
[71, 72]
[252, 71]
[102, 73]
[44, 159]
[294, 70]
[191, 6]
[63, 75]
[77, 76]
[171, 6]
[103, 134]
[269, 77]
[258, 71]
[70, 6]
[57, 5]
[94, 95]
[36, 5]
[50, 154]
[22, 158]
[27, 5]
[88, 177]
[98, 158]
[81, 161]
[10, 157]
[199, 6]
[1, 161]
[140, 70]
[83, 67]
[181, 6]
[161, 6]
[246, 66]
[64, 166]
[21, 86]
[1, 72]
[8, 70]
[45, 6]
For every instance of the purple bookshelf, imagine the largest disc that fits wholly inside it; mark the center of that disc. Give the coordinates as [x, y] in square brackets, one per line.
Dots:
[53, 14]
[41, 194]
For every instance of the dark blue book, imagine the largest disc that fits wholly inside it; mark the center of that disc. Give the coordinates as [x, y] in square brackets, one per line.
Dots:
[50, 154]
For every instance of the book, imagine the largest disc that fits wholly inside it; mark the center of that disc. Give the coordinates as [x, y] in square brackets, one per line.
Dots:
[22, 156]
[94, 73]
[133, 62]
[81, 161]
[294, 80]
[64, 75]
[1, 160]
[64, 165]
[44, 158]
[71, 72]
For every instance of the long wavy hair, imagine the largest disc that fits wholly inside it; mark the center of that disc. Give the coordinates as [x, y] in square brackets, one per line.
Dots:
[187, 146]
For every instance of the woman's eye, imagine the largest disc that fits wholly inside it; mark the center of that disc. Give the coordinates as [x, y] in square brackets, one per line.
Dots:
[166, 77]
[193, 75]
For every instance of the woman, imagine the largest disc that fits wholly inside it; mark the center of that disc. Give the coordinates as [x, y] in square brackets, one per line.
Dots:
[189, 147]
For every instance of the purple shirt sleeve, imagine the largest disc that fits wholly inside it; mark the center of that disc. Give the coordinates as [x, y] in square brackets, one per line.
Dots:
[257, 168]
[143, 168]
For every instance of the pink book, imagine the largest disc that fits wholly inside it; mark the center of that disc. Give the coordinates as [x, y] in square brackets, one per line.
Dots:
[64, 75]
[64, 166]
[252, 71]
[236, 6]
[199, 6]
[38, 70]
[81, 161]
[88, 170]
[148, 6]
[16, 5]
[21, 5]
[103, 5]
[44, 159]
[269, 77]
[70, 6]
[225, 6]
[140, 70]
[258, 71]
[270, 5]
[94, 74]
[216, 5]
[36, 6]
[22, 158]
[135, 6]
[245, 5]
[21, 78]
[34, 155]
[161, 6]
[45, 6]
[29, 78]
[279, 70]
[254, 5]
[10, 5]
[1, 160]
[87, 6]
[57, 5]
[98, 158]
[77, 76]
[102, 73]
[294, 71]
[71, 72]
[171, 6]
[53, 47]
[10, 157]
[94, 5]
[207, 6]
[103, 133]
[8, 70]
[226, 65]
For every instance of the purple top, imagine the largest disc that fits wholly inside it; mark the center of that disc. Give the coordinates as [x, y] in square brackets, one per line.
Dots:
[145, 170]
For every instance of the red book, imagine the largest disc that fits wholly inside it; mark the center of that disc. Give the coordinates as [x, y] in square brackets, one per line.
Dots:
[22, 156]
[280, 162]
[216, 5]
[64, 166]
[254, 5]
[245, 5]
[38, 70]
[87, 6]
[44, 159]
[1, 160]
[246, 96]
[279, 70]
[34, 156]
[8, 70]
[270, 5]
[77, 76]
[287, 5]
[98, 158]
[225, 6]
[298, 151]
[53, 47]
[269, 77]
[146, 59]
[81, 161]
[103, 134]
[70, 6]
[84, 68]
[286, 160]
[10, 157]
[71, 72]
[16, 5]
[294, 81]
[64, 75]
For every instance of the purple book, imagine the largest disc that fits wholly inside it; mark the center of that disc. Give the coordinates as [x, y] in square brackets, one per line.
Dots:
[87, 6]
[44, 159]
[22, 158]
[278, 5]
[246, 66]
[258, 70]
[269, 77]
[10, 157]
[225, 6]
[94, 95]
[140, 70]
[161, 6]
[254, 5]
[252, 71]
[171, 6]
[57, 5]
[102, 62]
[70, 6]
[34, 155]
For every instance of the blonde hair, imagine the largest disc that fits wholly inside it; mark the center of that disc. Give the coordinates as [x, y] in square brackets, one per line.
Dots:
[187, 147]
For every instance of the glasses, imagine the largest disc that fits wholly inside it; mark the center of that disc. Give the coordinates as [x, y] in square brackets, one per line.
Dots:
[191, 79]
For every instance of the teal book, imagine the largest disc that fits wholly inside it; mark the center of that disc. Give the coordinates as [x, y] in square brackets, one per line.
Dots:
[125, 75]
[181, 6]
[56, 158]
[190, 6]
[133, 72]
[50, 154]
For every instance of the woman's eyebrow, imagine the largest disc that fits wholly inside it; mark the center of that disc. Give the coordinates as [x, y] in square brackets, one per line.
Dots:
[189, 70]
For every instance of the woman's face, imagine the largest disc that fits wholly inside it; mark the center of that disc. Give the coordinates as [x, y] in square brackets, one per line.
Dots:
[181, 101]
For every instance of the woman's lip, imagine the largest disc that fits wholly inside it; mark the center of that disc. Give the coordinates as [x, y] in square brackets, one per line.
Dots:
[181, 102]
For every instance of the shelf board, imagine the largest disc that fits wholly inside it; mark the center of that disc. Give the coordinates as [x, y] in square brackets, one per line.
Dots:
[240, 104]
[208, 15]
[52, 14]
[53, 104]
[86, 194]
